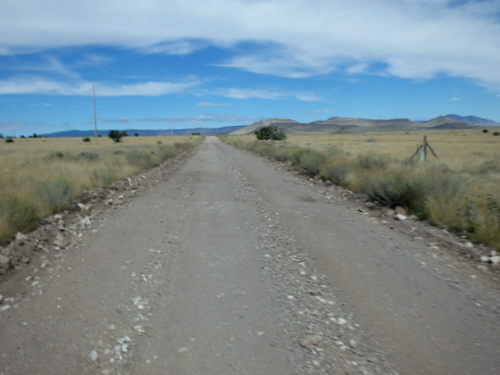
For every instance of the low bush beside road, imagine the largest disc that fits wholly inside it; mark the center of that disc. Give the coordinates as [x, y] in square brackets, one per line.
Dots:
[465, 200]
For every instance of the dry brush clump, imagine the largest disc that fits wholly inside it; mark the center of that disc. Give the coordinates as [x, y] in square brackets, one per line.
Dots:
[43, 176]
[53, 196]
[465, 200]
[337, 170]
[308, 161]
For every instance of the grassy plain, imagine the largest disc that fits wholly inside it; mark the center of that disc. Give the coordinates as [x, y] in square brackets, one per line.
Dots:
[459, 190]
[40, 176]
[457, 148]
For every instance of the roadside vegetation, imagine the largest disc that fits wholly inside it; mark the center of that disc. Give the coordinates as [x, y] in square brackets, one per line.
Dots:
[459, 191]
[270, 133]
[44, 175]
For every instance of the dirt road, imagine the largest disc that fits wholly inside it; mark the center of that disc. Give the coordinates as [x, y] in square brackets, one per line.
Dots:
[234, 266]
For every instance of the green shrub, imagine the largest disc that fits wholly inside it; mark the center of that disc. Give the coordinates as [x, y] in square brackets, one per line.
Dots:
[181, 147]
[19, 215]
[489, 229]
[496, 133]
[167, 152]
[436, 183]
[414, 190]
[489, 166]
[56, 155]
[9, 140]
[102, 177]
[336, 171]
[55, 196]
[140, 159]
[308, 161]
[474, 217]
[374, 162]
[86, 139]
[336, 152]
[264, 148]
[390, 188]
[282, 153]
[270, 133]
[91, 156]
[117, 135]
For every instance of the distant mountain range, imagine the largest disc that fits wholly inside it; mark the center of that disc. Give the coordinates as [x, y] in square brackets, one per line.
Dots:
[337, 125]
[145, 132]
[331, 126]
[473, 120]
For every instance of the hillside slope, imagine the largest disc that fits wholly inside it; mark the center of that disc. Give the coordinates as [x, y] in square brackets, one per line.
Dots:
[355, 125]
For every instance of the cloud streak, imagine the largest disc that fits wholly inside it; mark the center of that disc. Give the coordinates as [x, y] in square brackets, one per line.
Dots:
[208, 104]
[39, 85]
[250, 93]
[208, 118]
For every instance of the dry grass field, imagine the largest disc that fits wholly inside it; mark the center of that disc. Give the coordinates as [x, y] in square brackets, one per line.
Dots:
[458, 149]
[40, 176]
[459, 190]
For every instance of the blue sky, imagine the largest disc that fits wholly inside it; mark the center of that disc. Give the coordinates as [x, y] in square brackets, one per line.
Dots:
[162, 64]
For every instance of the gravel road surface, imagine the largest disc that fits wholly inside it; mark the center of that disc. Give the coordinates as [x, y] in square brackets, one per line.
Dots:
[232, 265]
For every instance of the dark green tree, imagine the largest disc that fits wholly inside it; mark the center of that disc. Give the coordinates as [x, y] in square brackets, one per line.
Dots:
[117, 135]
[270, 133]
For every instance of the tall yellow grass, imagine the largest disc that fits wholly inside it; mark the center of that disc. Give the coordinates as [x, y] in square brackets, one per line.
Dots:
[40, 174]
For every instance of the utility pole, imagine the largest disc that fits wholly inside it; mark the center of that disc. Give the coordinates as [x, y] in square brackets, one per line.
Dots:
[95, 115]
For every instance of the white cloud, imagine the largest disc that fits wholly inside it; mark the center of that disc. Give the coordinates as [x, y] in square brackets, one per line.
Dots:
[120, 120]
[179, 47]
[208, 118]
[144, 89]
[207, 104]
[278, 61]
[218, 118]
[40, 85]
[94, 60]
[248, 93]
[46, 64]
[416, 39]
[13, 126]
[455, 99]
[237, 93]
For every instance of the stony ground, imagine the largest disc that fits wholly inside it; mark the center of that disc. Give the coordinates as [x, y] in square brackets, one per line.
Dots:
[223, 263]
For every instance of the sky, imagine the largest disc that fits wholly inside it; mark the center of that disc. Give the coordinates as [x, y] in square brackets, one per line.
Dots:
[171, 64]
